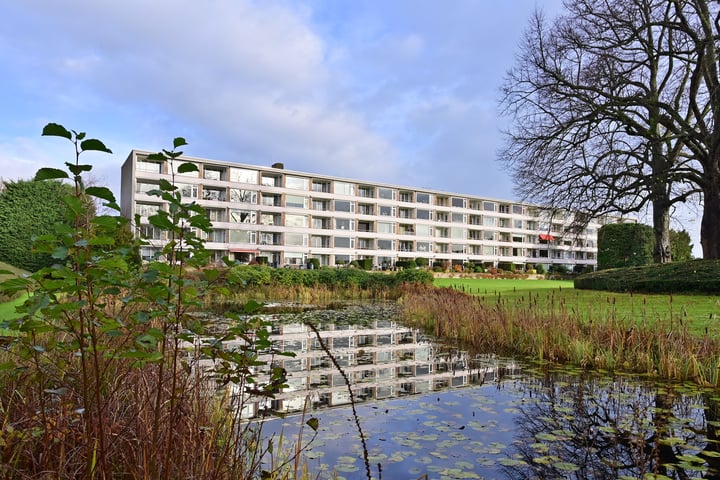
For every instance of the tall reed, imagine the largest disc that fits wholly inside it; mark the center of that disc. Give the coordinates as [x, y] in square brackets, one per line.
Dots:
[561, 334]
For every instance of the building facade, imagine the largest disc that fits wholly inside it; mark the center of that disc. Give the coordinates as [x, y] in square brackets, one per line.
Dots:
[287, 217]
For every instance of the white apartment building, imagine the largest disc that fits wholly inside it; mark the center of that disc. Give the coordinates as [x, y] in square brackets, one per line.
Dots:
[288, 217]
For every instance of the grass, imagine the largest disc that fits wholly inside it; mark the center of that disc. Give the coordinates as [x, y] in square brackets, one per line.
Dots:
[699, 313]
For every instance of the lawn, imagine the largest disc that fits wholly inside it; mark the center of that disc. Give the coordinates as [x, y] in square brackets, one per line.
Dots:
[700, 313]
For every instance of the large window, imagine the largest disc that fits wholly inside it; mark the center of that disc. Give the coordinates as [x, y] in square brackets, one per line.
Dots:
[298, 183]
[344, 242]
[147, 166]
[385, 227]
[386, 244]
[422, 197]
[296, 201]
[386, 193]
[489, 221]
[489, 206]
[296, 220]
[239, 195]
[421, 214]
[296, 239]
[144, 187]
[146, 209]
[242, 236]
[423, 230]
[243, 175]
[458, 218]
[424, 247]
[187, 190]
[458, 202]
[343, 188]
[386, 211]
[214, 194]
[343, 206]
[243, 216]
[344, 224]
[457, 233]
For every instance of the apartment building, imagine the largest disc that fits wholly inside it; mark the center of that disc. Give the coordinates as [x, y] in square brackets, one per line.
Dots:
[288, 217]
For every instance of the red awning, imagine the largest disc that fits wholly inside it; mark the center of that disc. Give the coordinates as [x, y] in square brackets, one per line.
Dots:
[240, 250]
[544, 236]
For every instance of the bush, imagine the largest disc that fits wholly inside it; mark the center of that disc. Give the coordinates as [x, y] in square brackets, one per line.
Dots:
[421, 262]
[507, 266]
[540, 268]
[313, 263]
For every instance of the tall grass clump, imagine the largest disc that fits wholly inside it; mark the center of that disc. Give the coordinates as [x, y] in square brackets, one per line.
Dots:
[556, 333]
[110, 372]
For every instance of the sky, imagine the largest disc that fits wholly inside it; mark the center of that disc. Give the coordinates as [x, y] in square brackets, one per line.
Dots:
[395, 91]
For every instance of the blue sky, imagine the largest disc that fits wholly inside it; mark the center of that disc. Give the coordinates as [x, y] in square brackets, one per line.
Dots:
[397, 91]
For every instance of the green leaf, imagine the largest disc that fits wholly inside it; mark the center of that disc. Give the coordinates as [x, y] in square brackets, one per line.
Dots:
[56, 130]
[101, 192]
[165, 185]
[188, 167]
[158, 157]
[179, 142]
[94, 144]
[60, 253]
[78, 169]
[313, 423]
[161, 221]
[105, 221]
[50, 174]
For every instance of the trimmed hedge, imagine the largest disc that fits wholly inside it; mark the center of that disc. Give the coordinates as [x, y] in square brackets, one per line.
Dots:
[695, 276]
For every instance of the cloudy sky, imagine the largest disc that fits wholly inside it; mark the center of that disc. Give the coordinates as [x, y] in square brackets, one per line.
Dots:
[397, 91]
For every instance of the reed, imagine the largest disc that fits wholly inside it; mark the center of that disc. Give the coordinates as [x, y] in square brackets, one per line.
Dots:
[557, 332]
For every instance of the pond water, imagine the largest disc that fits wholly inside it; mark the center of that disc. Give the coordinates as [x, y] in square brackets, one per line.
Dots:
[429, 410]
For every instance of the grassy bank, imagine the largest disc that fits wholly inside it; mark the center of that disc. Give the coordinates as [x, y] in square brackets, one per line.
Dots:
[699, 314]
[591, 332]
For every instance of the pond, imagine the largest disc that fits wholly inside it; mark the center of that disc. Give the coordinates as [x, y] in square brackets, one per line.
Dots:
[430, 410]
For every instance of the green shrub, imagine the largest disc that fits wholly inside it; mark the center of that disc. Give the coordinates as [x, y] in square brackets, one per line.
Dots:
[540, 268]
[313, 263]
[421, 262]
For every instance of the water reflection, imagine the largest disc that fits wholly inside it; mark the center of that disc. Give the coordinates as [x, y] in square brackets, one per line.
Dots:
[431, 409]
[379, 357]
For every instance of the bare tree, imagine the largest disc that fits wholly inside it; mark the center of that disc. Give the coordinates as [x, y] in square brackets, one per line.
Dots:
[609, 104]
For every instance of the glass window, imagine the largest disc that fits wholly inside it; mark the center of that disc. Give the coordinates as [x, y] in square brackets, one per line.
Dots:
[151, 233]
[422, 198]
[344, 242]
[385, 227]
[490, 235]
[176, 165]
[386, 193]
[296, 239]
[298, 183]
[458, 218]
[458, 202]
[489, 221]
[243, 196]
[489, 206]
[343, 188]
[143, 187]
[343, 206]
[214, 194]
[146, 209]
[243, 216]
[517, 209]
[343, 224]
[243, 175]
[386, 211]
[213, 173]
[489, 250]
[242, 236]
[386, 244]
[296, 220]
[423, 230]
[296, 201]
[147, 166]
[422, 214]
[457, 233]
[424, 246]
[187, 190]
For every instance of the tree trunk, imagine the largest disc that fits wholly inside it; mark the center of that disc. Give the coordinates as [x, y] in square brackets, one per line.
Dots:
[661, 231]
[710, 226]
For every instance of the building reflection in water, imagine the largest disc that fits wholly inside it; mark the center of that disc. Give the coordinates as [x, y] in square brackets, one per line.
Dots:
[380, 358]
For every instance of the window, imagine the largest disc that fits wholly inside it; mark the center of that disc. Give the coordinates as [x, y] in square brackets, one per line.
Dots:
[457, 248]
[214, 194]
[213, 173]
[423, 230]
[422, 214]
[458, 218]
[148, 166]
[490, 235]
[344, 224]
[458, 202]
[239, 195]
[517, 224]
[296, 220]
[296, 201]
[504, 208]
[457, 233]
[422, 198]
[192, 173]
[386, 211]
[343, 206]
[343, 188]
[297, 183]
[187, 190]
[385, 227]
[271, 180]
[243, 216]
[386, 244]
[296, 239]
[320, 186]
[215, 214]
[344, 242]
[406, 196]
[489, 221]
[489, 206]
[243, 175]
[517, 209]
[386, 193]
[424, 246]
[151, 233]
[489, 250]
[143, 187]
[146, 209]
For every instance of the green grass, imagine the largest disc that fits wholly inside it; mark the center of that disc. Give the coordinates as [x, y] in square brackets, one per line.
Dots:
[700, 313]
